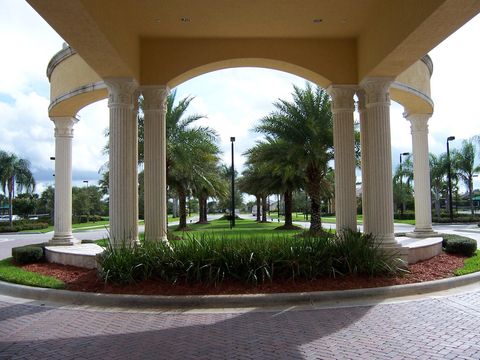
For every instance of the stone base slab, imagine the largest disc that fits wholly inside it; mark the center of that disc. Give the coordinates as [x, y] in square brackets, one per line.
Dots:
[421, 249]
[422, 234]
[81, 255]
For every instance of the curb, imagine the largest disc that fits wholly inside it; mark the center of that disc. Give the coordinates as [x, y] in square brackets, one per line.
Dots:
[232, 301]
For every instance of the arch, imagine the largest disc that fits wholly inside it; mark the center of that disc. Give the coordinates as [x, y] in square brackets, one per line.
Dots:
[251, 62]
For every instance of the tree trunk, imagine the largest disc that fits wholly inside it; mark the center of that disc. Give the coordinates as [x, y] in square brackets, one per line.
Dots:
[205, 206]
[259, 208]
[11, 184]
[288, 209]
[313, 191]
[470, 195]
[437, 205]
[264, 208]
[182, 197]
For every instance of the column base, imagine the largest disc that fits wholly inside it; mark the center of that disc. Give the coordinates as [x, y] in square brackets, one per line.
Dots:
[63, 240]
[422, 234]
[399, 253]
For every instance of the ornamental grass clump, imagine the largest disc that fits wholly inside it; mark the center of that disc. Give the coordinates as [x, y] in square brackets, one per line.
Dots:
[210, 258]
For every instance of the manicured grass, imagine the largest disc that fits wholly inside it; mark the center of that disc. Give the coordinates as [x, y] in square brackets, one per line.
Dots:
[243, 228]
[471, 265]
[13, 274]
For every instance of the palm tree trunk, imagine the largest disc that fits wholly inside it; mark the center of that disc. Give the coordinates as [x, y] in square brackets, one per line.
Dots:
[288, 208]
[470, 195]
[259, 208]
[205, 206]
[437, 205]
[264, 208]
[11, 183]
[313, 191]
[182, 197]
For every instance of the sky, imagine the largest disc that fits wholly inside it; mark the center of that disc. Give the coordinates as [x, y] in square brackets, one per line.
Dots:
[232, 100]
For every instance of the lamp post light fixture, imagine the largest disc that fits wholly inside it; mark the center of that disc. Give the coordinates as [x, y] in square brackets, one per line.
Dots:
[85, 182]
[402, 205]
[449, 177]
[232, 221]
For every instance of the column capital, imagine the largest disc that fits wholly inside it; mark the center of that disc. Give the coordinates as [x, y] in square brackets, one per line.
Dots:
[376, 90]
[361, 100]
[154, 97]
[121, 91]
[342, 97]
[418, 122]
[64, 125]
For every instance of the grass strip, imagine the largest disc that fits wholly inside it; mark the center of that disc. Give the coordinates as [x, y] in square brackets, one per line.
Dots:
[11, 273]
[471, 265]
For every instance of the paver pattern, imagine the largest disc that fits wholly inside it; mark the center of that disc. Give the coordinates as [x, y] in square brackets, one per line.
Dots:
[437, 328]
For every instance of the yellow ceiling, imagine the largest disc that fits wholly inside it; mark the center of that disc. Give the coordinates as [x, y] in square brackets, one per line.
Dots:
[380, 37]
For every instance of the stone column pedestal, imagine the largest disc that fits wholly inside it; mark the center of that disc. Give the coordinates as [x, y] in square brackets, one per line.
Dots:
[421, 175]
[62, 234]
[154, 108]
[123, 161]
[344, 145]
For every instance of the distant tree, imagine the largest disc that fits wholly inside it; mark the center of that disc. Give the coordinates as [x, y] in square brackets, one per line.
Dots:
[438, 171]
[463, 160]
[25, 204]
[15, 174]
[306, 125]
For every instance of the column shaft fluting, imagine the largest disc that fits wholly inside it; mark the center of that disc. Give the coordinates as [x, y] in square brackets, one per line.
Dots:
[155, 175]
[63, 181]
[123, 160]
[421, 174]
[344, 144]
[378, 189]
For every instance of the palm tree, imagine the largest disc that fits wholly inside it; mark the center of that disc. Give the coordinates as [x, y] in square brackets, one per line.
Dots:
[305, 124]
[438, 171]
[403, 190]
[464, 164]
[189, 149]
[256, 180]
[284, 175]
[14, 174]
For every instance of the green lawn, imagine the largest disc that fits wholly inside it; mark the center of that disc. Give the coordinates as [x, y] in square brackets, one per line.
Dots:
[13, 274]
[243, 228]
[471, 265]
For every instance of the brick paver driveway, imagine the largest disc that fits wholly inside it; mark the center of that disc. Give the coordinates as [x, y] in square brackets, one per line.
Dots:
[445, 327]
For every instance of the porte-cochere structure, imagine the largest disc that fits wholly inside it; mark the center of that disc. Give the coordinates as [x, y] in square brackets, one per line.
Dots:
[374, 49]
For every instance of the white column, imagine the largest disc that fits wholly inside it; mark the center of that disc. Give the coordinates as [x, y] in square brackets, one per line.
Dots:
[421, 175]
[377, 153]
[123, 178]
[364, 160]
[154, 108]
[62, 234]
[344, 145]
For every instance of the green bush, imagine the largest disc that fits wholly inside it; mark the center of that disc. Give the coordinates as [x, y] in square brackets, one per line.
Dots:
[28, 254]
[455, 244]
[252, 260]
[22, 227]
[407, 215]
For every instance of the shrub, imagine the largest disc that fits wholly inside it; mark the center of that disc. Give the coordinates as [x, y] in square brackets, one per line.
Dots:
[22, 227]
[28, 254]
[252, 260]
[407, 215]
[455, 244]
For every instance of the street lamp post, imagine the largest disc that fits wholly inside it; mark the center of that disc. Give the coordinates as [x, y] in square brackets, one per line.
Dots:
[449, 177]
[85, 182]
[402, 205]
[232, 221]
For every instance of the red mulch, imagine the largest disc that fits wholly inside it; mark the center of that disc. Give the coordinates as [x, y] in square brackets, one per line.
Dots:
[80, 279]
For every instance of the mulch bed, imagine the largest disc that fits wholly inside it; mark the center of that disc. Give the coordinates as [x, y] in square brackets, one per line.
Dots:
[80, 279]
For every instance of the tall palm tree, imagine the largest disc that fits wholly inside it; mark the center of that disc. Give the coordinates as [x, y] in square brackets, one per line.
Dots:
[464, 165]
[256, 181]
[189, 149]
[284, 174]
[305, 124]
[15, 174]
[438, 172]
